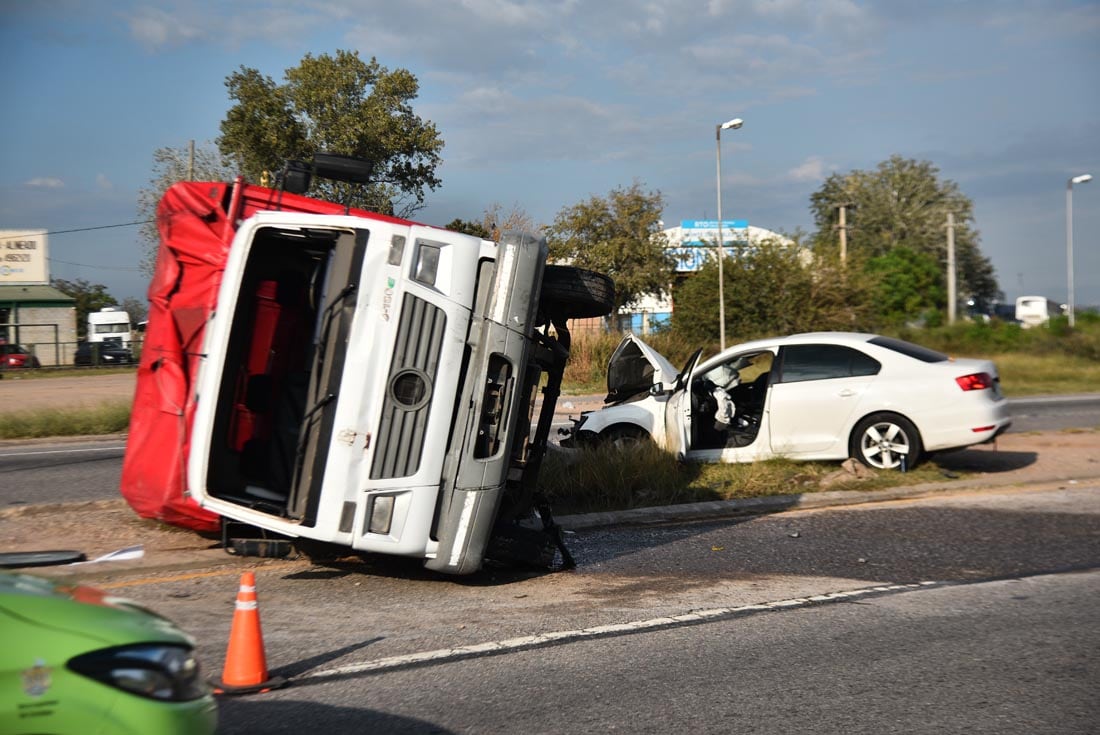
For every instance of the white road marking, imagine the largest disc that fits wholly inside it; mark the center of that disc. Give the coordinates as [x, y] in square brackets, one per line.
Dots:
[541, 639]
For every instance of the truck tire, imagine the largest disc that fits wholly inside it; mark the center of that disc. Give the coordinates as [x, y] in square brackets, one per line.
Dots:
[575, 293]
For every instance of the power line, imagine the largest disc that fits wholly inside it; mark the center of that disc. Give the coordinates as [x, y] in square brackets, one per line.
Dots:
[101, 267]
[89, 229]
[100, 227]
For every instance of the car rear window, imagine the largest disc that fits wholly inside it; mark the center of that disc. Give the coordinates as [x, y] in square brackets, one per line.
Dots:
[908, 348]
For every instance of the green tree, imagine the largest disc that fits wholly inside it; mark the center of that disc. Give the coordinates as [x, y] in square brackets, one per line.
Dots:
[138, 309]
[89, 297]
[336, 104]
[494, 220]
[906, 284]
[772, 288]
[620, 235]
[469, 227]
[904, 203]
[170, 166]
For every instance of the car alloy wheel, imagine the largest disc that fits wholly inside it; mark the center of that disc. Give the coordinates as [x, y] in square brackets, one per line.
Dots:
[886, 442]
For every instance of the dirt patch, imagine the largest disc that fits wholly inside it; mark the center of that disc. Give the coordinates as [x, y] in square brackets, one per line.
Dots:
[79, 391]
[95, 528]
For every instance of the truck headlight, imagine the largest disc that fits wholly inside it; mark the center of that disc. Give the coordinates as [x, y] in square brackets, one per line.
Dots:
[426, 264]
[381, 514]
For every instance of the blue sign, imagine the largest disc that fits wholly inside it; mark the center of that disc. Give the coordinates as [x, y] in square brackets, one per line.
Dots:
[712, 224]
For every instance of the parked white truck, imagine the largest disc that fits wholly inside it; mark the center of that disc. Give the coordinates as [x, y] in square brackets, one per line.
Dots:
[1036, 311]
[109, 324]
[371, 382]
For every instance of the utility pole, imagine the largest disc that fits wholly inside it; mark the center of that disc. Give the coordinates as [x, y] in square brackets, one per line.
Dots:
[951, 298]
[191, 162]
[842, 228]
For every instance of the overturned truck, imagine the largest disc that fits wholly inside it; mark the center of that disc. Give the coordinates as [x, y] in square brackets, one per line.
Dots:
[320, 372]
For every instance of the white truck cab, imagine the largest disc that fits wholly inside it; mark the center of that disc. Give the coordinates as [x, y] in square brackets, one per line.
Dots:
[109, 324]
[371, 383]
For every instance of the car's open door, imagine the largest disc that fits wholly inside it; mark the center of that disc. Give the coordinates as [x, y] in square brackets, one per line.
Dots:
[678, 410]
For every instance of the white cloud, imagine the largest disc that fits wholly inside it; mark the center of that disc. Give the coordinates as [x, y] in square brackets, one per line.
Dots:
[45, 182]
[811, 170]
[155, 29]
[104, 183]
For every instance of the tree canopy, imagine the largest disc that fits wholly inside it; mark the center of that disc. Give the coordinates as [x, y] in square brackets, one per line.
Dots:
[336, 104]
[495, 220]
[619, 235]
[172, 165]
[89, 297]
[904, 284]
[904, 203]
[771, 288]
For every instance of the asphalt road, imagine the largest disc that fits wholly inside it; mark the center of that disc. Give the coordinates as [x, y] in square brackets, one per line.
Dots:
[999, 657]
[63, 471]
[972, 612]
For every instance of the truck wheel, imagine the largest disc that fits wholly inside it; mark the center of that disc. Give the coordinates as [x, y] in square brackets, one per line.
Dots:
[575, 293]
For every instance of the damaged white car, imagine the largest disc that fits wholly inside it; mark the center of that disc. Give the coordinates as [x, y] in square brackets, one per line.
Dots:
[822, 396]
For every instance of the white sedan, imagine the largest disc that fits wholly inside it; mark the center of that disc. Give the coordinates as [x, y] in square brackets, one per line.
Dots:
[821, 396]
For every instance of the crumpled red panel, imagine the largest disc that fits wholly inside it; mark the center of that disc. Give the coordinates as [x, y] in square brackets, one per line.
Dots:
[196, 233]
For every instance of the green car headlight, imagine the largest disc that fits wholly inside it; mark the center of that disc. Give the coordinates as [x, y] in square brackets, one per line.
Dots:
[158, 671]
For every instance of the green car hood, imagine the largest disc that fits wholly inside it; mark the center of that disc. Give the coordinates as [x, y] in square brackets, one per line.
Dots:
[81, 612]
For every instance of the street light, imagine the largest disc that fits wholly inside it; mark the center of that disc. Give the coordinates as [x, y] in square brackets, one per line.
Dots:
[728, 125]
[1069, 237]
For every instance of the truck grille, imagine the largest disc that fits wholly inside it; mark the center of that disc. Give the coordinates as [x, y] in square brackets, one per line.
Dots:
[409, 388]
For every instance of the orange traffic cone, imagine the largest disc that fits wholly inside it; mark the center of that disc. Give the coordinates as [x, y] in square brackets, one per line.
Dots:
[245, 664]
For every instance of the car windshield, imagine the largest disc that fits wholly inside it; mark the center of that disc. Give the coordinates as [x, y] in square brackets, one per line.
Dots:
[908, 348]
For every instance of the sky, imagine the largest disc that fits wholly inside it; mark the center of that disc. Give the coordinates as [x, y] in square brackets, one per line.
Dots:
[542, 104]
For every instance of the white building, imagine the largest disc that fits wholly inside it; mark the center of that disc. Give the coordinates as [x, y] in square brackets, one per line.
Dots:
[693, 242]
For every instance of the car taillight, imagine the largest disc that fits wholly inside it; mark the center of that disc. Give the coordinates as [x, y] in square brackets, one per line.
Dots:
[975, 381]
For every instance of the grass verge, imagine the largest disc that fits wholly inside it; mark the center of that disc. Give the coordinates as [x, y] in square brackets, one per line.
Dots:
[612, 478]
[109, 418]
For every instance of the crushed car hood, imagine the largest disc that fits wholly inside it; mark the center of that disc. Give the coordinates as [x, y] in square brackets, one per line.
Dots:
[634, 367]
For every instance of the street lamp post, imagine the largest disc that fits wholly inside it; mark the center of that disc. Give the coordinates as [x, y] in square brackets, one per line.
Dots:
[728, 125]
[1069, 238]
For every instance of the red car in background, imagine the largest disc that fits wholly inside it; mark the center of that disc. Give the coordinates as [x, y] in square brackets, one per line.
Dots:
[15, 357]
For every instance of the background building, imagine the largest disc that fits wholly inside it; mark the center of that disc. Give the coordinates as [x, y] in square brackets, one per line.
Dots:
[33, 313]
[692, 243]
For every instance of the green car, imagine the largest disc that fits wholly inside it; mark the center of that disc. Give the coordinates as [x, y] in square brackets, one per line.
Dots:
[75, 659]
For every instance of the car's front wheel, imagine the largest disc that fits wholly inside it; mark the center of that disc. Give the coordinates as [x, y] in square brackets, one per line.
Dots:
[625, 436]
[886, 441]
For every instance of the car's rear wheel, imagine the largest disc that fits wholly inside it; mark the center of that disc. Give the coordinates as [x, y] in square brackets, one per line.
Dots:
[575, 293]
[886, 441]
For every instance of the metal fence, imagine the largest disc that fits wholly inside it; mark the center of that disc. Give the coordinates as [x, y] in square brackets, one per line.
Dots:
[53, 355]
